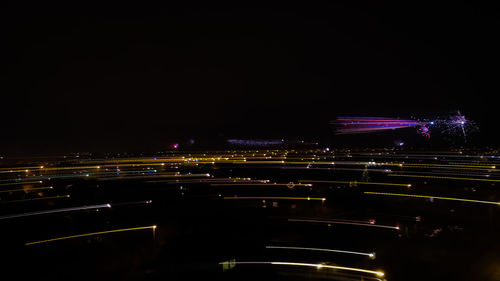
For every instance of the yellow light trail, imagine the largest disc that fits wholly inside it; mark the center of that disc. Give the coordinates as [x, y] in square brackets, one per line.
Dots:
[315, 163]
[185, 175]
[360, 183]
[430, 196]
[125, 175]
[23, 182]
[444, 178]
[41, 168]
[15, 171]
[449, 166]
[27, 189]
[211, 180]
[156, 175]
[279, 198]
[91, 234]
[246, 184]
[317, 265]
[20, 168]
[490, 165]
[378, 273]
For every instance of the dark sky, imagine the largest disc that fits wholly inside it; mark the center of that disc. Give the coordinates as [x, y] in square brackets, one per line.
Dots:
[139, 77]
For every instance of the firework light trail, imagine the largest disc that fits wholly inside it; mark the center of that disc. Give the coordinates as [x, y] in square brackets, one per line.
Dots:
[356, 125]
[454, 124]
[255, 142]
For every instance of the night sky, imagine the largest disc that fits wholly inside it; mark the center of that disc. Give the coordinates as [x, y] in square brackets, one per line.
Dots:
[81, 77]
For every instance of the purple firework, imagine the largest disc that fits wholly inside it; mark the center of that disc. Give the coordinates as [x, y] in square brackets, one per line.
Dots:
[356, 125]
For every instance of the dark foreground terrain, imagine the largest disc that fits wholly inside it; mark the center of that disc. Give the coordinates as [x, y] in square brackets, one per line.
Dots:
[252, 215]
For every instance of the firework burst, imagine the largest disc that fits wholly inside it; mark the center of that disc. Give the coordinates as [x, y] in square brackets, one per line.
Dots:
[455, 125]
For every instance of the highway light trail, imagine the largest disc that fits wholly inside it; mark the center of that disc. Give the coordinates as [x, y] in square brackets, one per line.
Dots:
[134, 177]
[27, 189]
[314, 265]
[448, 166]
[211, 180]
[359, 183]
[431, 197]
[443, 178]
[378, 170]
[133, 203]
[153, 227]
[278, 198]
[370, 255]
[345, 222]
[329, 163]
[113, 174]
[151, 175]
[198, 177]
[62, 210]
[35, 199]
[244, 159]
[270, 184]
[20, 183]
[451, 173]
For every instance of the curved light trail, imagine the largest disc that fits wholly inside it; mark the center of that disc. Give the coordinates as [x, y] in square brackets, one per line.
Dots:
[370, 255]
[280, 198]
[432, 197]
[62, 210]
[345, 222]
[153, 227]
[315, 265]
